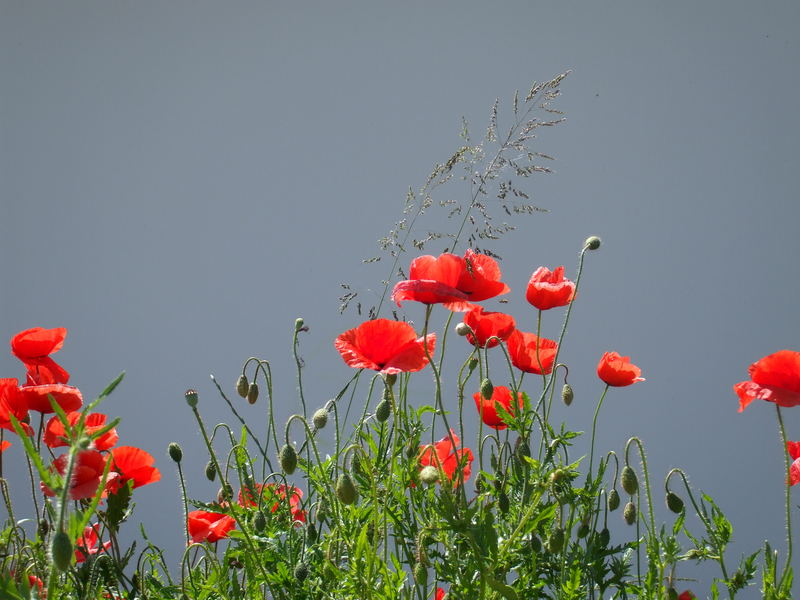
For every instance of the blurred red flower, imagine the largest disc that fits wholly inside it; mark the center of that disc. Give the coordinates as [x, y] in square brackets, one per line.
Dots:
[549, 289]
[488, 410]
[207, 526]
[270, 491]
[451, 279]
[55, 435]
[36, 396]
[87, 543]
[34, 347]
[618, 371]
[386, 346]
[488, 325]
[531, 353]
[687, 595]
[440, 594]
[134, 464]
[447, 456]
[4, 445]
[774, 378]
[87, 474]
[793, 448]
[12, 403]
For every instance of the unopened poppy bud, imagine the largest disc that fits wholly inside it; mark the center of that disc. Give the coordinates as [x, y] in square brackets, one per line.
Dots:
[211, 471]
[320, 418]
[674, 502]
[555, 543]
[556, 476]
[487, 389]
[503, 503]
[411, 450]
[235, 563]
[191, 398]
[298, 324]
[44, 528]
[175, 452]
[613, 500]
[224, 493]
[429, 475]
[383, 410]
[420, 574]
[390, 379]
[463, 329]
[345, 489]
[242, 385]
[322, 510]
[84, 442]
[567, 395]
[536, 543]
[628, 480]
[592, 243]
[61, 551]
[473, 364]
[259, 522]
[604, 537]
[629, 513]
[252, 393]
[311, 532]
[301, 571]
[288, 459]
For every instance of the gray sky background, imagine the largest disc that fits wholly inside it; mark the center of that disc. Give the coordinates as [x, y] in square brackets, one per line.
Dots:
[180, 181]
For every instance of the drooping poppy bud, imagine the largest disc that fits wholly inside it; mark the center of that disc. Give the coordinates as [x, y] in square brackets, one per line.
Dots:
[320, 418]
[301, 572]
[288, 459]
[421, 574]
[211, 471]
[567, 395]
[629, 481]
[487, 389]
[383, 410]
[604, 537]
[503, 503]
[555, 543]
[252, 393]
[674, 502]
[629, 513]
[61, 551]
[242, 385]
[592, 243]
[259, 521]
[429, 475]
[463, 329]
[345, 489]
[613, 500]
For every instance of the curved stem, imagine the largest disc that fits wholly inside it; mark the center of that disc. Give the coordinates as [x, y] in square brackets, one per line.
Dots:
[788, 496]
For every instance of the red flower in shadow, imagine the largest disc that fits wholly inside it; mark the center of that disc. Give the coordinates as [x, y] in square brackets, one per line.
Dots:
[36, 396]
[549, 289]
[450, 279]
[55, 435]
[207, 526]
[12, 403]
[774, 378]
[87, 543]
[134, 464]
[386, 346]
[447, 457]
[276, 493]
[618, 371]
[488, 408]
[87, 474]
[488, 327]
[531, 353]
[34, 347]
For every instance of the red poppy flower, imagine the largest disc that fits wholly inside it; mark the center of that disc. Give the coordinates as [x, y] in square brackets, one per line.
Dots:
[386, 346]
[67, 397]
[440, 594]
[4, 445]
[87, 543]
[687, 595]
[248, 497]
[12, 403]
[793, 448]
[207, 526]
[491, 326]
[55, 435]
[450, 279]
[532, 354]
[549, 289]
[448, 457]
[774, 378]
[134, 464]
[87, 474]
[618, 371]
[34, 347]
[33, 582]
[488, 408]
